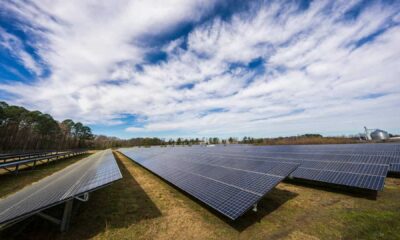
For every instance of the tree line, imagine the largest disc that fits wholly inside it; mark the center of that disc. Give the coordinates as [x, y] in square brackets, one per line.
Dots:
[21, 129]
[24, 130]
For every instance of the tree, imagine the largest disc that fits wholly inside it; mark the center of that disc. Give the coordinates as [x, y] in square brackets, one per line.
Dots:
[21, 129]
[215, 140]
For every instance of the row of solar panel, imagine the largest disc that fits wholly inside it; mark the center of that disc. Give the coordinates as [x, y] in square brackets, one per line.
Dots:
[242, 175]
[81, 177]
[13, 165]
[333, 168]
[342, 147]
[209, 174]
[226, 199]
[229, 189]
[337, 168]
[315, 157]
[316, 151]
[256, 164]
[368, 149]
[373, 182]
[26, 155]
[260, 152]
[340, 170]
[391, 150]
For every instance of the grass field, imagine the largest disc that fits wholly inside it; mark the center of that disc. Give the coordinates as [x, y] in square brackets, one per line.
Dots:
[141, 206]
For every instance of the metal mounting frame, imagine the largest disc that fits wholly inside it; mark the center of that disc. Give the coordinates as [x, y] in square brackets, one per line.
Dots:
[66, 217]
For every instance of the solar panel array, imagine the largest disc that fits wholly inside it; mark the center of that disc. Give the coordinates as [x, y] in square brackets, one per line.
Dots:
[390, 151]
[230, 186]
[353, 170]
[11, 163]
[363, 166]
[88, 174]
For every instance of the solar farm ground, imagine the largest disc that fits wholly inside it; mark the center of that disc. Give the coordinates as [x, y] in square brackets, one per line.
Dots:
[142, 206]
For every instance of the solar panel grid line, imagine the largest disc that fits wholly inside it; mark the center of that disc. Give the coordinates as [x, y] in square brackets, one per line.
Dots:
[311, 154]
[395, 167]
[343, 171]
[391, 154]
[341, 178]
[77, 183]
[330, 147]
[290, 159]
[248, 157]
[296, 161]
[358, 168]
[272, 168]
[240, 169]
[236, 204]
[179, 169]
[231, 185]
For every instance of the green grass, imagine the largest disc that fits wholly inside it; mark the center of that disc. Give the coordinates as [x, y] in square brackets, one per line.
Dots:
[142, 206]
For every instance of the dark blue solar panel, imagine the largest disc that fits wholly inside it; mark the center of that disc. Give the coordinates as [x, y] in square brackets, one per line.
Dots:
[230, 186]
[356, 165]
[320, 166]
[395, 167]
[374, 165]
[89, 174]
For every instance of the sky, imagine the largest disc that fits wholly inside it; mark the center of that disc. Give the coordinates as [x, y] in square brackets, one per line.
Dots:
[201, 68]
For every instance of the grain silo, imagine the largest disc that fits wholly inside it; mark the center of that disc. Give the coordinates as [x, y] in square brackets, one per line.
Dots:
[379, 135]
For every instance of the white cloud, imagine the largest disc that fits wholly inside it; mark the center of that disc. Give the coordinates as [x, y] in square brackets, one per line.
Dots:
[314, 77]
[16, 48]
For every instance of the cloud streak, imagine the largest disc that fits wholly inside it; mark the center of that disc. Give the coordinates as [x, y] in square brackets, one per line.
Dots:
[271, 69]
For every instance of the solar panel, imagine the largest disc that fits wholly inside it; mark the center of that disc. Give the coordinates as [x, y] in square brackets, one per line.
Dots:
[229, 186]
[84, 176]
[12, 164]
[360, 171]
[389, 151]
[373, 153]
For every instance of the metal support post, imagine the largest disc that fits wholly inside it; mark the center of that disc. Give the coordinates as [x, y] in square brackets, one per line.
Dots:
[66, 215]
[255, 207]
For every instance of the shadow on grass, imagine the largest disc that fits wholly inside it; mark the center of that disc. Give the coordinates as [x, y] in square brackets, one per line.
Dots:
[268, 204]
[118, 205]
[394, 174]
[333, 188]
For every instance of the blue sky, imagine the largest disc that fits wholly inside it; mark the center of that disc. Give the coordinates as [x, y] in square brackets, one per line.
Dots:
[205, 68]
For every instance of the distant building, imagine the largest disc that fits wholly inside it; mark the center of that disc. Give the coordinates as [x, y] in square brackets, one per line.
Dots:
[376, 134]
[379, 135]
